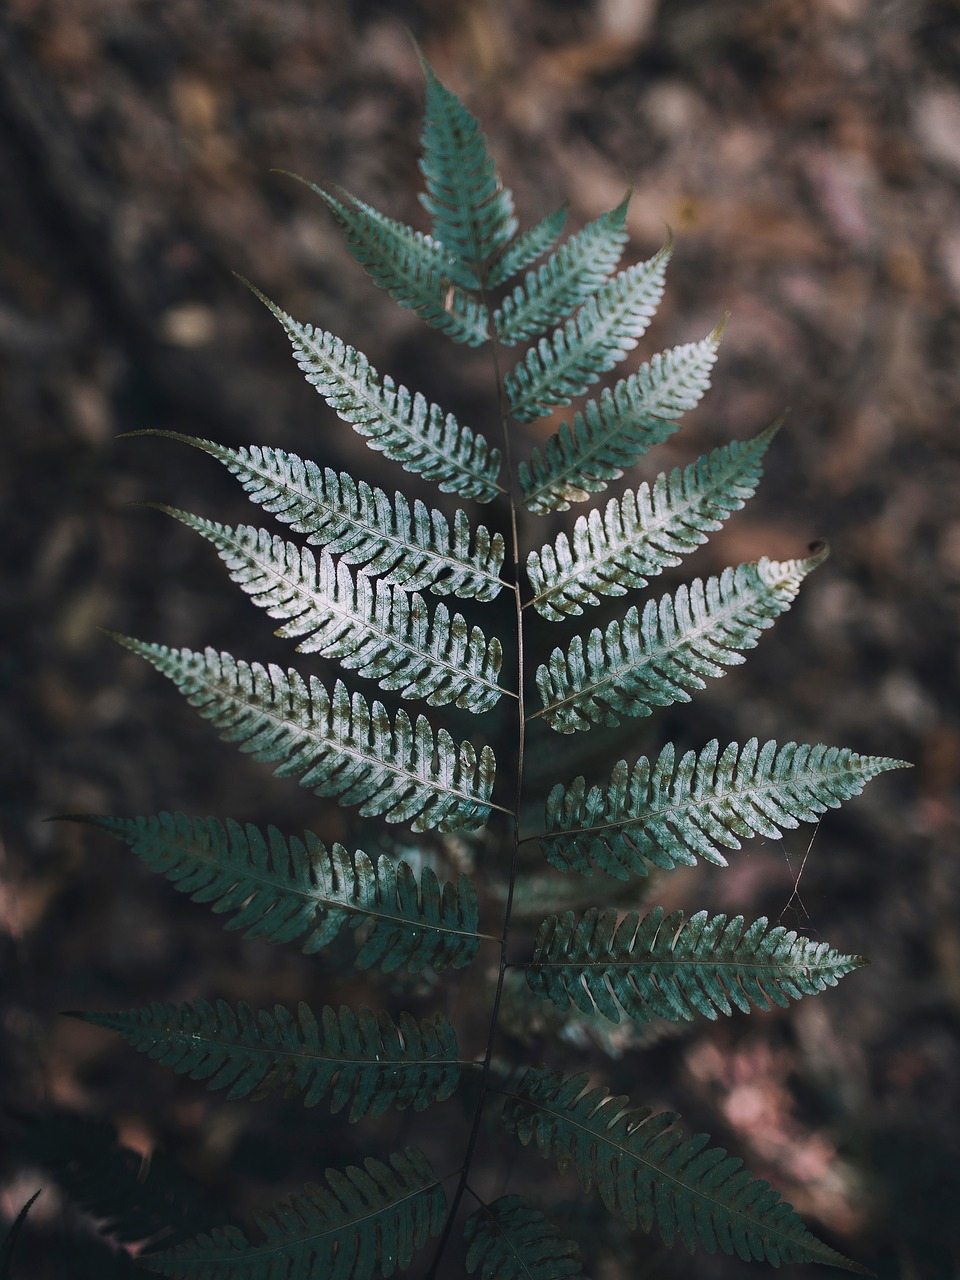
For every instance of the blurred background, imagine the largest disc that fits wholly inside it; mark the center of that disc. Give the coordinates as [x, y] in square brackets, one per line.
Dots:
[806, 156]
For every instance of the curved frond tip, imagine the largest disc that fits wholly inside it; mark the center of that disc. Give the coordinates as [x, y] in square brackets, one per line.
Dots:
[286, 889]
[661, 966]
[649, 1173]
[667, 812]
[364, 1060]
[339, 744]
[472, 211]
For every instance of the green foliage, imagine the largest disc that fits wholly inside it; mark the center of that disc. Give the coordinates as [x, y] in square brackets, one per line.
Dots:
[364, 1222]
[366, 1060]
[378, 630]
[283, 888]
[512, 1240]
[342, 746]
[615, 432]
[644, 532]
[645, 1170]
[411, 547]
[651, 659]
[667, 813]
[598, 977]
[664, 967]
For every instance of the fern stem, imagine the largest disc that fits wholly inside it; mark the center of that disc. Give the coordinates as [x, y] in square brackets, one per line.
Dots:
[503, 405]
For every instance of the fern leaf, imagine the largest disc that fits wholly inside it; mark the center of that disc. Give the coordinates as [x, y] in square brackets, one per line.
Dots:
[651, 660]
[645, 531]
[416, 270]
[665, 967]
[287, 889]
[615, 432]
[364, 1223]
[512, 1240]
[570, 276]
[401, 426]
[527, 247]
[597, 338]
[410, 547]
[341, 746]
[647, 1171]
[364, 1059]
[378, 630]
[472, 211]
[666, 813]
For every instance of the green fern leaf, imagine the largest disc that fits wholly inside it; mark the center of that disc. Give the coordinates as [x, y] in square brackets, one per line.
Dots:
[646, 530]
[650, 1174]
[472, 211]
[665, 813]
[651, 660]
[364, 1059]
[597, 338]
[342, 746]
[378, 630]
[571, 275]
[364, 1223]
[615, 432]
[416, 270]
[282, 889]
[412, 548]
[401, 426]
[512, 1240]
[661, 967]
[527, 247]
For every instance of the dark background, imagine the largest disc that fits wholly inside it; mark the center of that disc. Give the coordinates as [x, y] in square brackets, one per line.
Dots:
[807, 159]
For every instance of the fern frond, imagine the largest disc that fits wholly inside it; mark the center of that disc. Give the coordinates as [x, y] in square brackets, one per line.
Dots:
[527, 247]
[661, 966]
[378, 630]
[401, 426]
[512, 1240]
[367, 1061]
[568, 278]
[614, 432]
[134, 1198]
[666, 813]
[651, 659]
[364, 1223]
[472, 211]
[410, 547]
[341, 746]
[645, 531]
[416, 270]
[531, 1020]
[649, 1173]
[282, 889]
[594, 341]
